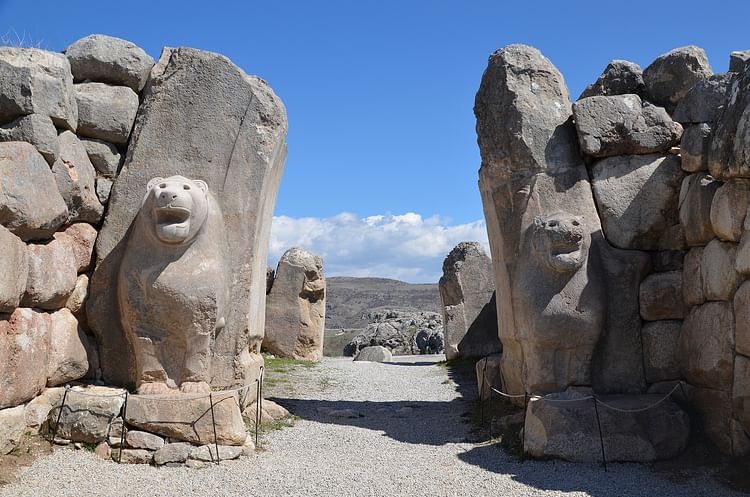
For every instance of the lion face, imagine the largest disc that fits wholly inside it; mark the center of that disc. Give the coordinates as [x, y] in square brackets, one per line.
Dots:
[177, 207]
[559, 239]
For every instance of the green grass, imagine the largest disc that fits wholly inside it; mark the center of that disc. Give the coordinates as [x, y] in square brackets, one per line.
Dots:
[279, 424]
[284, 364]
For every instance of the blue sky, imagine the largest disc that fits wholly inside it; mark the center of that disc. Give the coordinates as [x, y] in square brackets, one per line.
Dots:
[380, 93]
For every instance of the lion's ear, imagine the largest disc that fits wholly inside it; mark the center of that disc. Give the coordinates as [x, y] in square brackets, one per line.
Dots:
[153, 183]
[202, 185]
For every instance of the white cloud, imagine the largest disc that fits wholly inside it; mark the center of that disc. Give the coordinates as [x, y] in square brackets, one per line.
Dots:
[406, 247]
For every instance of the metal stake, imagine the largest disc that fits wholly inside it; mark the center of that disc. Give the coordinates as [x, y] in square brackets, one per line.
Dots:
[122, 430]
[59, 413]
[213, 421]
[523, 436]
[601, 437]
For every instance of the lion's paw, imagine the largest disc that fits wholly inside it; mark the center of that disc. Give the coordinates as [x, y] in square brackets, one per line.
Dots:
[154, 388]
[195, 387]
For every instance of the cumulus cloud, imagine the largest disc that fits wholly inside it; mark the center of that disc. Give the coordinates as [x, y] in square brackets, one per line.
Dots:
[406, 247]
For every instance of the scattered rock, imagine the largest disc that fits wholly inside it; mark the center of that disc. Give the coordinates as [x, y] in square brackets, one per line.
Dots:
[671, 75]
[15, 263]
[132, 456]
[12, 429]
[75, 176]
[619, 78]
[106, 112]
[704, 101]
[207, 453]
[694, 147]
[24, 351]
[36, 129]
[375, 353]
[143, 440]
[696, 195]
[661, 297]
[707, 346]
[68, 359]
[660, 350]
[172, 452]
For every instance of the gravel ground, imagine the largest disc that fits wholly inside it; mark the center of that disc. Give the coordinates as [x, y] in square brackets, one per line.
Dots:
[366, 429]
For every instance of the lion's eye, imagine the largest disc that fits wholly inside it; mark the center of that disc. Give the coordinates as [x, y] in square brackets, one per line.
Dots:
[186, 187]
[163, 185]
[576, 223]
[552, 224]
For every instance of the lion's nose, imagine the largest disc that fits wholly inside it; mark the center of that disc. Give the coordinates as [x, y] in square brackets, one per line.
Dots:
[167, 196]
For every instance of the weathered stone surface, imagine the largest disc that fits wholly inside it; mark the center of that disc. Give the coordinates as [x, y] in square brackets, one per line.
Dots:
[729, 208]
[374, 353]
[104, 156]
[81, 237]
[660, 350]
[692, 283]
[667, 260]
[715, 415]
[12, 429]
[77, 299]
[143, 440]
[296, 307]
[109, 60]
[467, 292]
[37, 411]
[30, 205]
[15, 263]
[103, 189]
[270, 411]
[172, 452]
[738, 60]
[661, 297]
[34, 81]
[75, 178]
[704, 101]
[742, 263]
[696, 195]
[24, 348]
[401, 332]
[719, 276]
[52, 274]
[106, 112]
[68, 360]
[742, 318]
[621, 125]
[671, 75]
[619, 77]
[36, 129]
[132, 456]
[694, 146]
[207, 453]
[637, 197]
[741, 391]
[488, 376]
[730, 140]
[187, 418]
[569, 430]
[707, 346]
[241, 127]
[87, 413]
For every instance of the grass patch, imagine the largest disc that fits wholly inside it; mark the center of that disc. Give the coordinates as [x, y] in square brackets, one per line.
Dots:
[334, 340]
[284, 364]
[279, 424]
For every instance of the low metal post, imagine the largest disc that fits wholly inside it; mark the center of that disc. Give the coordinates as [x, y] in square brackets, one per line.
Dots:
[601, 437]
[213, 421]
[59, 413]
[124, 413]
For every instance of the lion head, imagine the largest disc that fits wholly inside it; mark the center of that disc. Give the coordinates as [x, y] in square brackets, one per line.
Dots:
[561, 241]
[176, 207]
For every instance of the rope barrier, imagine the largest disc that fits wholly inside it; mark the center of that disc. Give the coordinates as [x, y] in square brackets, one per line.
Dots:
[641, 409]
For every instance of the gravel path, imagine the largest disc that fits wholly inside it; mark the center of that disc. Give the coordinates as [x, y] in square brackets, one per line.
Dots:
[366, 430]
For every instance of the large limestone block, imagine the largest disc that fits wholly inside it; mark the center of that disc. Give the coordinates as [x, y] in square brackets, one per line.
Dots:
[241, 128]
[637, 197]
[103, 155]
[692, 283]
[24, 348]
[742, 263]
[714, 409]
[660, 350]
[661, 296]
[619, 78]
[68, 359]
[707, 346]
[374, 353]
[730, 140]
[106, 112]
[34, 81]
[75, 177]
[488, 376]
[36, 129]
[742, 318]
[296, 307]
[467, 290]
[694, 146]
[741, 391]
[622, 125]
[109, 60]
[15, 263]
[704, 101]
[188, 418]
[729, 208]
[37, 410]
[88, 413]
[719, 276]
[696, 195]
[671, 75]
[569, 430]
[12, 429]
[52, 274]
[30, 204]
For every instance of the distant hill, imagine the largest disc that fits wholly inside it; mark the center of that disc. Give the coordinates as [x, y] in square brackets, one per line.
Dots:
[348, 299]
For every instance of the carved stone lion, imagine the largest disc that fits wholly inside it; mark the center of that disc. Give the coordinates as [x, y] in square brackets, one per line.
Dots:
[172, 287]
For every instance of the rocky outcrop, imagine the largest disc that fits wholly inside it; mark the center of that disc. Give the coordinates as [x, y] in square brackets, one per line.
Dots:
[467, 291]
[401, 332]
[296, 306]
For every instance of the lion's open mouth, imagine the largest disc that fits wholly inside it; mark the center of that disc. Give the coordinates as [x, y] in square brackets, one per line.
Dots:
[172, 215]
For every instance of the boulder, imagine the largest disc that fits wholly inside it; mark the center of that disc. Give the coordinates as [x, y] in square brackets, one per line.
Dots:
[694, 146]
[24, 350]
[696, 195]
[730, 146]
[77, 300]
[68, 360]
[704, 101]
[109, 60]
[742, 319]
[719, 276]
[660, 297]
[374, 353]
[619, 77]
[106, 112]
[738, 60]
[132, 456]
[15, 263]
[30, 204]
[88, 413]
[81, 238]
[296, 307]
[623, 125]
[37, 411]
[143, 440]
[729, 208]
[637, 196]
[103, 189]
[52, 274]
[176, 452]
[741, 391]
[569, 430]
[673, 74]
[188, 418]
[207, 453]
[36, 129]
[742, 262]
[241, 128]
[714, 408]
[660, 350]
[467, 292]
[692, 283]
[104, 156]
[270, 411]
[75, 177]
[707, 346]
[12, 429]
[488, 376]
[34, 81]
